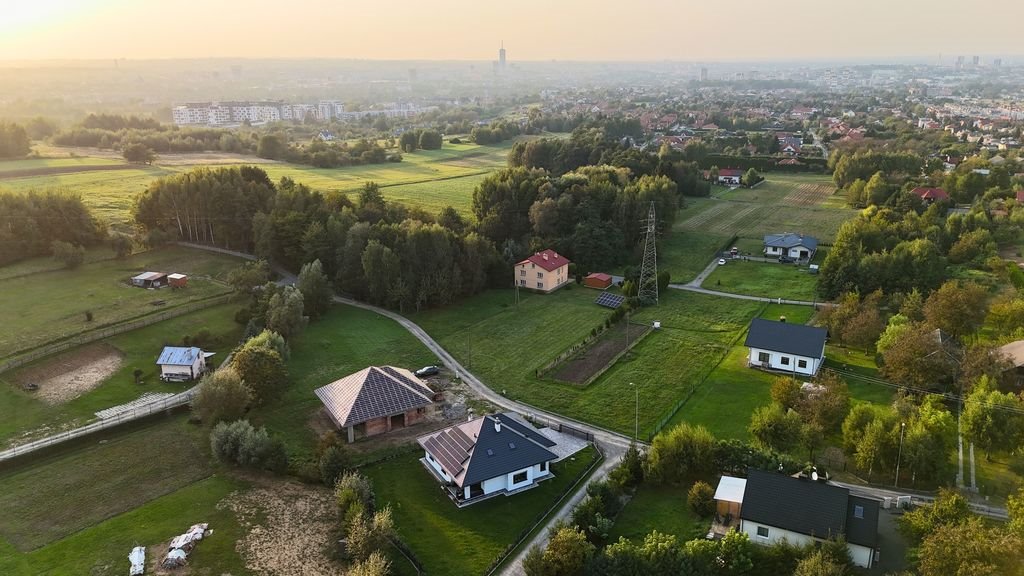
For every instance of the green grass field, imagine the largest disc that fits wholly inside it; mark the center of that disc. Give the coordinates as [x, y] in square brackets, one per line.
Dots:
[430, 179]
[139, 348]
[345, 341]
[47, 306]
[767, 279]
[661, 508]
[449, 540]
[48, 499]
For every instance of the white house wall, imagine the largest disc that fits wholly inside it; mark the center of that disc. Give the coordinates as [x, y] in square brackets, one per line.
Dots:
[436, 466]
[494, 485]
[168, 370]
[861, 555]
[775, 362]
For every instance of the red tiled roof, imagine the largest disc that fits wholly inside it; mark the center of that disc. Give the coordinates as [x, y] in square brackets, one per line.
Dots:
[728, 172]
[599, 276]
[548, 260]
[930, 193]
[1020, 196]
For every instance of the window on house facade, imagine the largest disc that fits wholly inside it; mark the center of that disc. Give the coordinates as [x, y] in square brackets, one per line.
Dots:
[858, 512]
[801, 363]
[540, 285]
[522, 282]
[785, 360]
[543, 466]
[762, 531]
[540, 274]
[522, 272]
[763, 357]
[519, 477]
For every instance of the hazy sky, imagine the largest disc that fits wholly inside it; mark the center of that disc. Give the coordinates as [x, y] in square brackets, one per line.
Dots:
[692, 30]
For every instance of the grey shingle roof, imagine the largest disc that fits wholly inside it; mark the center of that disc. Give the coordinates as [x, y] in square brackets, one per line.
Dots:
[802, 506]
[488, 453]
[373, 392]
[863, 531]
[797, 339]
[791, 240]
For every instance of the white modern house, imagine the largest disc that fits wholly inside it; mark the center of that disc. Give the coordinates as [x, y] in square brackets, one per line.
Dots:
[180, 364]
[773, 507]
[785, 347]
[795, 246]
[488, 456]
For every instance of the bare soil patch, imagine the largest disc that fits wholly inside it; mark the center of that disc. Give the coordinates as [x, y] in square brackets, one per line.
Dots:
[71, 374]
[581, 367]
[289, 526]
[809, 194]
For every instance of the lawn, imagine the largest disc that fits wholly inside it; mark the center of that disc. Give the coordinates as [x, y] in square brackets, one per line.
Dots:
[661, 508]
[139, 348]
[449, 540]
[346, 340]
[49, 498]
[47, 306]
[504, 345]
[50, 163]
[102, 549]
[766, 279]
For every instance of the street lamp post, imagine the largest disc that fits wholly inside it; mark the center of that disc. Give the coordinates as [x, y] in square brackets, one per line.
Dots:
[636, 413]
[899, 456]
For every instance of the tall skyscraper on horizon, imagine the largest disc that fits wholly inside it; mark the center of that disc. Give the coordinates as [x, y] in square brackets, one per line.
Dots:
[975, 61]
[501, 56]
[703, 74]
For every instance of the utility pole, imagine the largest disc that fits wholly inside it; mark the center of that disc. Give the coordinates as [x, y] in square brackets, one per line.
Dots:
[636, 413]
[648, 289]
[899, 456]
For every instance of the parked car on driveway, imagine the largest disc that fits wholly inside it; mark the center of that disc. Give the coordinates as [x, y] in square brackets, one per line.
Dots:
[786, 260]
[428, 371]
[721, 261]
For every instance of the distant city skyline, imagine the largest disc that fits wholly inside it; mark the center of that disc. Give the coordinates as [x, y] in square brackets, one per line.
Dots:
[531, 30]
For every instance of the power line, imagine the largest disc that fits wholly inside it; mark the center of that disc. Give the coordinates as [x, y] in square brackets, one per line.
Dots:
[916, 390]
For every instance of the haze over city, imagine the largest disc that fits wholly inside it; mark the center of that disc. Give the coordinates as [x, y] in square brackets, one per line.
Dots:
[685, 30]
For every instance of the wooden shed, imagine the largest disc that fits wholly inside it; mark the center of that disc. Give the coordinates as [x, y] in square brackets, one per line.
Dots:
[598, 280]
[177, 280]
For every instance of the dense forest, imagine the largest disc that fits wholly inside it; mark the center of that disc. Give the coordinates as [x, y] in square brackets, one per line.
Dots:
[403, 257]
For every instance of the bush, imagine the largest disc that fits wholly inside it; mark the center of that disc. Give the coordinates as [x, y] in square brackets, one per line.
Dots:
[88, 315]
[240, 443]
[682, 453]
[630, 471]
[69, 254]
[367, 535]
[222, 397]
[354, 495]
[333, 462]
[701, 499]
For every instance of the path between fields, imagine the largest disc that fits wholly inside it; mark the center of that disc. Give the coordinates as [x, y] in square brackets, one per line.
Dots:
[695, 286]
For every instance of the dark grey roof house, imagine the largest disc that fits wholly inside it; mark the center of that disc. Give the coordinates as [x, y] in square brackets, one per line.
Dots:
[792, 245]
[801, 511]
[491, 455]
[786, 347]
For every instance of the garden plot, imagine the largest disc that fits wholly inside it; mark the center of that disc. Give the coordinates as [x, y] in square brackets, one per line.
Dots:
[592, 361]
[809, 194]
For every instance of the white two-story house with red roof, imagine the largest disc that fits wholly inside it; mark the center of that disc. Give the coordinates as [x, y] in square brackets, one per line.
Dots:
[545, 272]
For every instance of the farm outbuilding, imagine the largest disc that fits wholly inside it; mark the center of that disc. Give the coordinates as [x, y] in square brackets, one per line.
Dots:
[177, 280]
[180, 364]
[150, 280]
[375, 400]
[598, 280]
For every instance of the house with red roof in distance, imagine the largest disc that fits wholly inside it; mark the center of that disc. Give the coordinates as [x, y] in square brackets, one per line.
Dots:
[709, 126]
[730, 176]
[1020, 196]
[544, 272]
[930, 195]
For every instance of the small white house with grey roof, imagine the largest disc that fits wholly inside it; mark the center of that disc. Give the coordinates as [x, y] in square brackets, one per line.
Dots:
[785, 347]
[795, 246]
[488, 456]
[180, 364]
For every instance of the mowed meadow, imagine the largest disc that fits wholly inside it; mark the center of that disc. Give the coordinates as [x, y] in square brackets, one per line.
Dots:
[428, 179]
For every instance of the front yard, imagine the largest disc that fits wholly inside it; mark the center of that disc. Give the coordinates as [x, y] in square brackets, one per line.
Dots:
[765, 279]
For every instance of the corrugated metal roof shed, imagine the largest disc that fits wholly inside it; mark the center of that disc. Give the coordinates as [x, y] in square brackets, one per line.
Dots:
[178, 356]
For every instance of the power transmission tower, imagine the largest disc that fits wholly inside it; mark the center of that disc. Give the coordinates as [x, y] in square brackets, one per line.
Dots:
[648, 292]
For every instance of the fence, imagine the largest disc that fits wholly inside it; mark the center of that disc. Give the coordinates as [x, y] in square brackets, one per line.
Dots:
[112, 330]
[134, 414]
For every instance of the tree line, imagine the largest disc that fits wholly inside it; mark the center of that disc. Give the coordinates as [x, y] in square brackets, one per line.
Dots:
[323, 154]
[14, 141]
[31, 224]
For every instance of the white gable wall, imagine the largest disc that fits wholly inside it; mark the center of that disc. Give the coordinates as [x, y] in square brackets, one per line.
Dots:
[785, 362]
[193, 371]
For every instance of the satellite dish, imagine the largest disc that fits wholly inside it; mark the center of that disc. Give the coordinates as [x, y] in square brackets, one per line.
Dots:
[814, 476]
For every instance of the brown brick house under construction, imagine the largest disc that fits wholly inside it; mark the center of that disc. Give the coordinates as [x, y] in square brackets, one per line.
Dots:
[376, 400]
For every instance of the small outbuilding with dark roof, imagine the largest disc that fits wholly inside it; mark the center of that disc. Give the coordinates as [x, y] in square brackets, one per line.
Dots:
[375, 400]
[491, 455]
[782, 346]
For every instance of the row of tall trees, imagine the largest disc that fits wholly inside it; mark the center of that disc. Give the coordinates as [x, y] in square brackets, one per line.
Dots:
[324, 154]
[14, 141]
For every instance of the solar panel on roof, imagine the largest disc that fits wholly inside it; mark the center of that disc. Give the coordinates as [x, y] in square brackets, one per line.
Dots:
[609, 300]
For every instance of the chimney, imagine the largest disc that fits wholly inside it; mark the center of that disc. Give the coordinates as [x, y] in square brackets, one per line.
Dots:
[497, 424]
[545, 255]
[782, 318]
[556, 255]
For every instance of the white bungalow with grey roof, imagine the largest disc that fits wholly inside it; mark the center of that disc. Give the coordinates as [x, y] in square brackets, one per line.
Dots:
[795, 246]
[180, 364]
[794, 348]
[491, 455]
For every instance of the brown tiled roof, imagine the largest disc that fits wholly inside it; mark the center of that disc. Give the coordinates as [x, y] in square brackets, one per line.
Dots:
[373, 392]
[548, 260]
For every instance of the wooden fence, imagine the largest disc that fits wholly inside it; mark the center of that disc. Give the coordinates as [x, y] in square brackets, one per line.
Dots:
[111, 330]
[124, 417]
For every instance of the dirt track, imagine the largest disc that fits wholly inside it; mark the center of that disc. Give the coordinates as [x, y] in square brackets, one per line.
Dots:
[71, 374]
